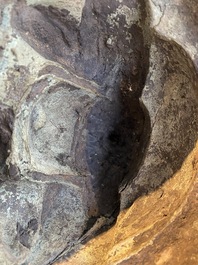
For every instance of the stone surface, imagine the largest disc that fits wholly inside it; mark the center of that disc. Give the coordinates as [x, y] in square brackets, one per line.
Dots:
[98, 111]
[159, 228]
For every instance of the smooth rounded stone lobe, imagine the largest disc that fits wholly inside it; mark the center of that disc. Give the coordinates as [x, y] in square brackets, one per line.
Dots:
[54, 121]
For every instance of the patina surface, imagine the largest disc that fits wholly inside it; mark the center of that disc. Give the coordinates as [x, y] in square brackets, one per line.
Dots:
[98, 112]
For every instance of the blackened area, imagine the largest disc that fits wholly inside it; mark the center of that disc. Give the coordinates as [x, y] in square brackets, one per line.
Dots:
[6, 127]
[115, 146]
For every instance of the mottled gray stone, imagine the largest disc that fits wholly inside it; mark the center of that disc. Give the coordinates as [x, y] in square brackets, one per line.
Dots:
[98, 106]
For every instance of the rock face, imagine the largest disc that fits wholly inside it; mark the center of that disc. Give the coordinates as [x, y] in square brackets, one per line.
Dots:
[99, 106]
[160, 228]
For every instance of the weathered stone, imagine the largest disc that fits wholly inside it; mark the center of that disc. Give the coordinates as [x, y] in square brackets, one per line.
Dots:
[170, 96]
[159, 228]
[98, 106]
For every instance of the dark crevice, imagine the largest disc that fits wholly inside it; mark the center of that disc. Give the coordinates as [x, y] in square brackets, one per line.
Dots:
[119, 127]
[116, 141]
[6, 127]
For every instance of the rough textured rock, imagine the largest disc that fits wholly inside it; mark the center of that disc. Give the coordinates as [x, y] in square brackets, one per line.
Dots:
[98, 106]
[159, 228]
